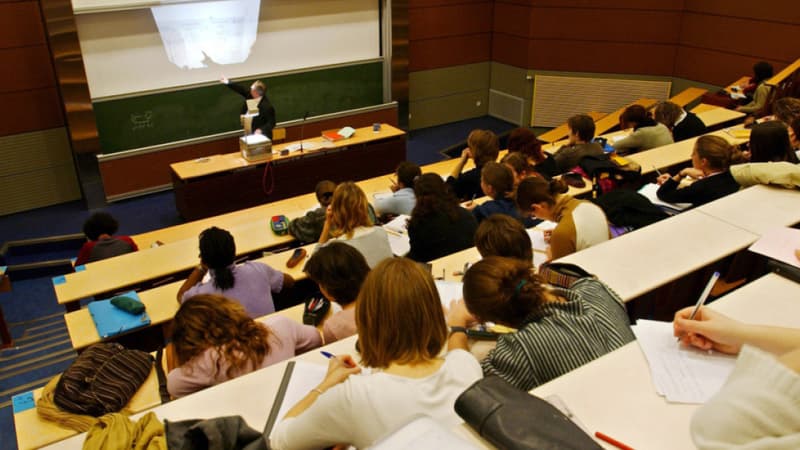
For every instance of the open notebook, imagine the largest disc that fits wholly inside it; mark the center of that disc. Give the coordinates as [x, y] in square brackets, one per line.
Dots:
[650, 191]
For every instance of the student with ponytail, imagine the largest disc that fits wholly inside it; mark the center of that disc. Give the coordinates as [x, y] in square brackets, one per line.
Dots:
[711, 159]
[580, 224]
[214, 340]
[250, 283]
[558, 330]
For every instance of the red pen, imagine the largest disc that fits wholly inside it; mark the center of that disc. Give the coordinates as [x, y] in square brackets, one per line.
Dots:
[612, 441]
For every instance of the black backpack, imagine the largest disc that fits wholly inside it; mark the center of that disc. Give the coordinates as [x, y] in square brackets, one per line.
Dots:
[102, 379]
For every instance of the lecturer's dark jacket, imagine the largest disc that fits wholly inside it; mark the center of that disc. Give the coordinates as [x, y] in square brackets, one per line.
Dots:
[265, 121]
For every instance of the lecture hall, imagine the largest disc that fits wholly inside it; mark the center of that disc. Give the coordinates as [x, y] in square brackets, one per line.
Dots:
[428, 224]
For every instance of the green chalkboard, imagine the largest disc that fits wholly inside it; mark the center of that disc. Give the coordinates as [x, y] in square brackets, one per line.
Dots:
[165, 117]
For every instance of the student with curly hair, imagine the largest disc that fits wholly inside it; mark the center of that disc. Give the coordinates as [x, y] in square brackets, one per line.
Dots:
[348, 220]
[214, 340]
[99, 229]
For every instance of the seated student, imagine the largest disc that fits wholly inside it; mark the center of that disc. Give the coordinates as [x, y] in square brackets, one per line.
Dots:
[251, 283]
[581, 132]
[402, 199]
[500, 235]
[759, 405]
[401, 335]
[524, 141]
[438, 225]
[348, 220]
[683, 124]
[711, 158]
[519, 167]
[794, 135]
[497, 182]
[762, 71]
[783, 174]
[339, 270]
[580, 224]
[646, 134]
[769, 142]
[214, 340]
[309, 227]
[99, 229]
[786, 109]
[558, 330]
[482, 147]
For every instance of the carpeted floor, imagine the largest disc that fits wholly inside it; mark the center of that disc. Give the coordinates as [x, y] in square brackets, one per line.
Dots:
[42, 344]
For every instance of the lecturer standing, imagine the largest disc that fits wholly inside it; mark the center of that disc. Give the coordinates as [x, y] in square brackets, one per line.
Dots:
[265, 121]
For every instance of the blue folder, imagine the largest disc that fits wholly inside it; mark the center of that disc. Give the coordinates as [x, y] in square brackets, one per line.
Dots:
[111, 321]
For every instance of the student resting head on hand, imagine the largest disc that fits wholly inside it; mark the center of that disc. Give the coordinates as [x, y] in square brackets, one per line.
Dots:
[402, 333]
[250, 283]
[214, 340]
[711, 158]
[558, 330]
[339, 270]
[482, 146]
[759, 405]
[580, 224]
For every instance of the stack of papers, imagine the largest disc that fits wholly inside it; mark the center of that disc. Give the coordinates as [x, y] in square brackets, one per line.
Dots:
[398, 235]
[650, 191]
[780, 244]
[681, 374]
[449, 291]
[398, 225]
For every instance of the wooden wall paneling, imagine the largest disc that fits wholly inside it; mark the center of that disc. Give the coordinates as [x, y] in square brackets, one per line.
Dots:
[714, 67]
[450, 51]
[745, 37]
[512, 19]
[511, 50]
[607, 25]
[20, 24]
[25, 68]
[666, 5]
[603, 57]
[31, 110]
[450, 20]
[781, 11]
[400, 86]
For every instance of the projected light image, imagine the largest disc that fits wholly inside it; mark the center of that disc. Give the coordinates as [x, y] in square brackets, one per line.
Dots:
[204, 34]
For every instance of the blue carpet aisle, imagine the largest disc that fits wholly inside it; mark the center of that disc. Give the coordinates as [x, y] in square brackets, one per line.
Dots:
[42, 344]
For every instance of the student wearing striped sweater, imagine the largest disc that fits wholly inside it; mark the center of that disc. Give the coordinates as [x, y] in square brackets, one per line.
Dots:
[558, 330]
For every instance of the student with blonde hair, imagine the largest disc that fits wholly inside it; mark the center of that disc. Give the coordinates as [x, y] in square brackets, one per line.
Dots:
[482, 146]
[401, 335]
[214, 340]
[580, 224]
[348, 220]
[558, 330]
[711, 158]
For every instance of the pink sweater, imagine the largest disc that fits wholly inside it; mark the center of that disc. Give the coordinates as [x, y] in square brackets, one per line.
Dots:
[287, 339]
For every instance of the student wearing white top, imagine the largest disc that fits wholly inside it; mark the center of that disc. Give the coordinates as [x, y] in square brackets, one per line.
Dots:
[402, 331]
[402, 200]
[759, 405]
[347, 219]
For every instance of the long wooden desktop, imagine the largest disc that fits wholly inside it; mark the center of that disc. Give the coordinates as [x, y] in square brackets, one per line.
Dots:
[222, 183]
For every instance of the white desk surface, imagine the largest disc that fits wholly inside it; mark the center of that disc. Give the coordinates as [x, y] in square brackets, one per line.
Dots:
[639, 261]
[615, 394]
[757, 209]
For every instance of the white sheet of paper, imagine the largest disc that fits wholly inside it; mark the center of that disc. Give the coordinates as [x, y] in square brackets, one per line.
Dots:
[305, 377]
[400, 244]
[650, 191]
[681, 374]
[449, 291]
[779, 244]
[539, 258]
[546, 226]
[310, 145]
[423, 433]
[398, 225]
[537, 239]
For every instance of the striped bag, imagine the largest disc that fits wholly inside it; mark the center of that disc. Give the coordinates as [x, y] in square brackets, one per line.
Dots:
[102, 379]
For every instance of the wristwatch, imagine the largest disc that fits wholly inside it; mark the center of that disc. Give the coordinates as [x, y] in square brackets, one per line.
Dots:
[457, 330]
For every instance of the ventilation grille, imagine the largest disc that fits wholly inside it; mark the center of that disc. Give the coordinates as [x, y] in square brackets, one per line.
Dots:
[555, 99]
[506, 107]
[36, 170]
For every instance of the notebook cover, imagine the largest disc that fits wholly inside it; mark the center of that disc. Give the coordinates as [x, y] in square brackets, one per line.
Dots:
[111, 321]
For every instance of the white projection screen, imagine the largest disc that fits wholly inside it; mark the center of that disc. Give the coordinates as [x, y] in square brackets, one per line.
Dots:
[174, 45]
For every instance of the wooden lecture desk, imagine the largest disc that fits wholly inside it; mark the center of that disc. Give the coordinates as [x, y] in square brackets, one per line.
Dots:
[671, 154]
[787, 71]
[757, 209]
[642, 260]
[615, 394]
[222, 183]
[133, 269]
[687, 96]
[162, 304]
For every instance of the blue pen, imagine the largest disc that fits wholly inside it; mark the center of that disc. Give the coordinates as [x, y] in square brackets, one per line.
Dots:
[327, 354]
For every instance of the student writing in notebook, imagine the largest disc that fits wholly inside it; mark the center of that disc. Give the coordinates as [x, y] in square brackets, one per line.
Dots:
[558, 330]
[482, 147]
[438, 225]
[348, 220]
[250, 283]
[646, 134]
[339, 270]
[501, 235]
[214, 340]
[711, 158]
[759, 405]
[402, 331]
[683, 124]
[580, 224]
